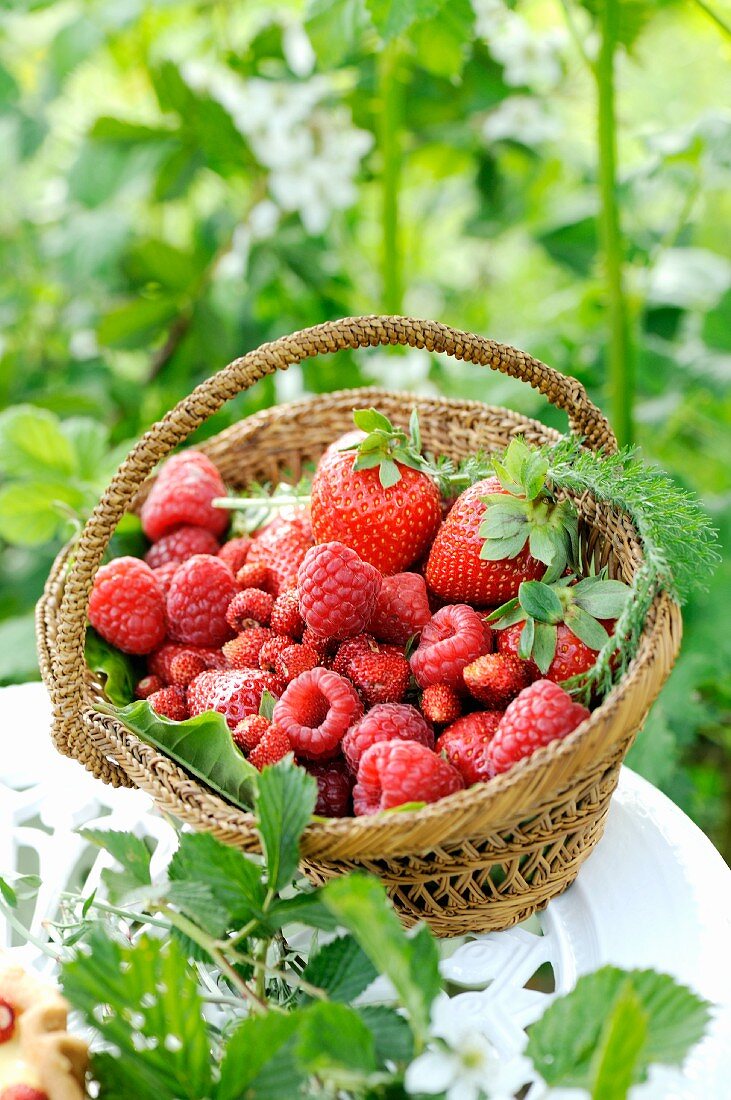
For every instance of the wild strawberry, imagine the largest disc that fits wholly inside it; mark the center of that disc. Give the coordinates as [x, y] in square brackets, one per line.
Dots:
[496, 678]
[294, 660]
[453, 638]
[147, 686]
[180, 544]
[542, 713]
[323, 646]
[315, 711]
[465, 744]
[281, 547]
[126, 606]
[376, 500]
[235, 552]
[402, 608]
[285, 617]
[185, 667]
[334, 788]
[249, 731]
[394, 772]
[337, 590]
[440, 704]
[199, 595]
[164, 576]
[273, 747]
[353, 647]
[7, 1020]
[234, 693]
[243, 651]
[170, 702]
[159, 663]
[250, 607]
[183, 493]
[272, 647]
[386, 722]
[380, 677]
[254, 574]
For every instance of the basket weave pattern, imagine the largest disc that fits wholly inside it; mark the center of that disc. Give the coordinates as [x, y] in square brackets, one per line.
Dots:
[483, 858]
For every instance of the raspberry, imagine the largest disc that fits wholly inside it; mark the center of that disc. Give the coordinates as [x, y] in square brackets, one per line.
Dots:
[170, 702]
[337, 590]
[234, 693]
[441, 704]
[147, 686]
[281, 546]
[452, 639]
[273, 646]
[316, 710]
[164, 576]
[380, 677]
[235, 552]
[201, 591]
[182, 494]
[273, 746]
[249, 607]
[402, 608]
[180, 544]
[254, 575]
[127, 607]
[7, 1020]
[394, 772]
[243, 651]
[185, 667]
[496, 679]
[159, 663]
[386, 722]
[250, 731]
[466, 742]
[294, 660]
[540, 714]
[286, 618]
[334, 788]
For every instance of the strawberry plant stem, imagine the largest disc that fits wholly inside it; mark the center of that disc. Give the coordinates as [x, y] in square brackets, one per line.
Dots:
[620, 355]
[389, 139]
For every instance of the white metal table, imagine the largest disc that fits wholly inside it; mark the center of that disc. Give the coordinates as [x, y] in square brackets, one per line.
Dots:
[654, 893]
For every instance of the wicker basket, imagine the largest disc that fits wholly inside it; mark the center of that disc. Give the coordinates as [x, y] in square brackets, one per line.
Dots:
[481, 859]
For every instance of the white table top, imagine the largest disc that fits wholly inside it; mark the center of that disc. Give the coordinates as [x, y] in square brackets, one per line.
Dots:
[654, 893]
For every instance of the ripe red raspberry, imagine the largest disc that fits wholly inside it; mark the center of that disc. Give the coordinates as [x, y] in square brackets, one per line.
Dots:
[466, 742]
[255, 575]
[281, 546]
[496, 678]
[380, 677]
[294, 660]
[540, 714]
[272, 647]
[441, 704]
[180, 544]
[170, 702]
[386, 722]
[234, 693]
[182, 494]
[199, 595]
[243, 651]
[127, 607]
[185, 667]
[250, 731]
[394, 772]
[334, 788]
[286, 618]
[455, 637]
[273, 746]
[316, 710]
[159, 663]
[147, 686]
[249, 607]
[235, 552]
[7, 1020]
[164, 576]
[337, 590]
[402, 608]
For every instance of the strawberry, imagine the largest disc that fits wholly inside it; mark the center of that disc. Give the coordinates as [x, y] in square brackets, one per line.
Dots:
[380, 677]
[496, 678]
[376, 498]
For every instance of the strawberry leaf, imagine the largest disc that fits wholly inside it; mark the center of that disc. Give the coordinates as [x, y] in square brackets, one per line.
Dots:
[388, 473]
[544, 645]
[499, 549]
[527, 637]
[367, 460]
[415, 430]
[370, 420]
[533, 476]
[586, 628]
[547, 545]
[540, 602]
[510, 483]
[604, 599]
[501, 524]
[266, 704]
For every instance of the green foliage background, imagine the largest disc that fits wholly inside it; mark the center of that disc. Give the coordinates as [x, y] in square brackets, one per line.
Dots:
[184, 180]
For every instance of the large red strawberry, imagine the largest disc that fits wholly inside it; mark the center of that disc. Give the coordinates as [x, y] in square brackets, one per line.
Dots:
[375, 498]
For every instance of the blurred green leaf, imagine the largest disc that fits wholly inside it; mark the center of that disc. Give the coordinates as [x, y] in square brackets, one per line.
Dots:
[18, 659]
[32, 444]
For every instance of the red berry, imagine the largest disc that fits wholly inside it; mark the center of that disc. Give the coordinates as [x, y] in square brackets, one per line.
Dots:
[127, 607]
[235, 552]
[147, 686]
[250, 731]
[164, 576]
[334, 788]
[244, 650]
[540, 714]
[386, 722]
[234, 693]
[394, 772]
[255, 575]
[273, 746]
[402, 608]
[441, 704]
[23, 1092]
[182, 494]
[7, 1020]
[337, 590]
[571, 658]
[353, 647]
[316, 710]
[294, 660]
[286, 618]
[455, 637]
[180, 544]
[380, 677]
[199, 596]
[320, 645]
[466, 742]
[170, 702]
[185, 667]
[272, 647]
[496, 678]
[159, 663]
[249, 607]
[281, 547]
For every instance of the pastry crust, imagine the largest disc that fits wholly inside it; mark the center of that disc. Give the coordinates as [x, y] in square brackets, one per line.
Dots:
[58, 1060]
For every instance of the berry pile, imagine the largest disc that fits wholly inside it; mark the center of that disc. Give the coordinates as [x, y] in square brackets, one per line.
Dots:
[363, 636]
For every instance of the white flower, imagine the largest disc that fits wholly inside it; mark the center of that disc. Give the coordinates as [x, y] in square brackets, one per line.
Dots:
[528, 57]
[523, 119]
[488, 13]
[691, 278]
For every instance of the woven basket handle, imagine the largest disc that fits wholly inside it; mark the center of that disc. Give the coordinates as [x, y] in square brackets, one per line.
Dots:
[352, 332]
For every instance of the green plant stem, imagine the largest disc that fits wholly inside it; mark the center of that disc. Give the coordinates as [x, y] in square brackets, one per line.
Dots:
[717, 19]
[20, 928]
[621, 368]
[389, 138]
[215, 949]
